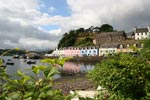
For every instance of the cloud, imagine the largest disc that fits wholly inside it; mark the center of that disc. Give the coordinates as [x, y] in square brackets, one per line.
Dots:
[18, 26]
[122, 14]
[21, 21]
[26, 37]
[52, 9]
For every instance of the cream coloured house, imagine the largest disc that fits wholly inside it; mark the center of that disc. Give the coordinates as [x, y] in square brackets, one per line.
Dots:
[107, 51]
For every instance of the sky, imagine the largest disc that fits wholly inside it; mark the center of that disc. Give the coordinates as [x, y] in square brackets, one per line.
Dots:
[40, 24]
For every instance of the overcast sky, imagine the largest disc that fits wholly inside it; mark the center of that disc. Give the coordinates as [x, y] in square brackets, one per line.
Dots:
[39, 24]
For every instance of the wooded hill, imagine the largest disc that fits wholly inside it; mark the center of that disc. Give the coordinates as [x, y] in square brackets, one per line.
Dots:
[83, 37]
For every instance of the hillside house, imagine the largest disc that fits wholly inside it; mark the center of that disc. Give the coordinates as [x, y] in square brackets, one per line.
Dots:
[141, 33]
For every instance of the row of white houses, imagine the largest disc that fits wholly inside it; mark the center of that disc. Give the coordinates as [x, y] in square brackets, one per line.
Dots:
[92, 51]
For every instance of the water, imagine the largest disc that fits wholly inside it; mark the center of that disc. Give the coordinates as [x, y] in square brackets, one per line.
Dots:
[69, 68]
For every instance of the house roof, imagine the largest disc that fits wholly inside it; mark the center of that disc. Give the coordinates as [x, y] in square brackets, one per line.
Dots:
[110, 45]
[111, 33]
[124, 43]
[141, 30]
[130, 33]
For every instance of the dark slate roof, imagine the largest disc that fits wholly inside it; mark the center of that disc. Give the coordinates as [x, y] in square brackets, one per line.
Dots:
[111, 33]
[124, 43]
[130, 33]
[141, 30]
[110, 45]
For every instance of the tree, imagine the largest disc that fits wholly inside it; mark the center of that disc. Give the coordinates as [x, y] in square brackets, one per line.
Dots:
[106, 28]
[145, 52]
[80, 30]
[124, 76]
[84, 42]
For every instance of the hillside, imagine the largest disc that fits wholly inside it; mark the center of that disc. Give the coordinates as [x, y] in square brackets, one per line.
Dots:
[83, 37]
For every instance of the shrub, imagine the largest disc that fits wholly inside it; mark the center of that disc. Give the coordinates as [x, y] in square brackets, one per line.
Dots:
[32, 88]
[125, 77]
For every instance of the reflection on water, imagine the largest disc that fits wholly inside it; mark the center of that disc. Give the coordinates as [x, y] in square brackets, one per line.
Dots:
[69, 68]
[77, 67]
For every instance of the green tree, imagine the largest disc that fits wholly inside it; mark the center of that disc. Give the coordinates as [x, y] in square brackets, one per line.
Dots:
[106, 28]
[125, 76]
[84, 42]
[146, 43]
[80, 30]
[32, 87]
[145, 52]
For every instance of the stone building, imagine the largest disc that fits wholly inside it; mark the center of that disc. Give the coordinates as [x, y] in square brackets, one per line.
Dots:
[109, 37]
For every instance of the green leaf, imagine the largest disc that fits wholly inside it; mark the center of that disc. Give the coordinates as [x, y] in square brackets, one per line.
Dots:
[25, 79]
[15, 96]
[35, 69]
[50, 71]
[2, 97]
[20, 73]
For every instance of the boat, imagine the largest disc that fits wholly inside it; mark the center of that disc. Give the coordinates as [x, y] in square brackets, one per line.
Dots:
[16, 56]
[9, 62]
[3, 66]
[23, 56]
[31, 62]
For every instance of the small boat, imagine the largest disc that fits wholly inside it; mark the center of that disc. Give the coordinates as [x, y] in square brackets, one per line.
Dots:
[23, 56]
[31, 62]
[3, 66]
[9, 62]
[16, 56]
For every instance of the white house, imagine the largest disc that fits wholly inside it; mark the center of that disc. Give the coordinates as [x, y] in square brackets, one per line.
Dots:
[56, 52]
[141, 33]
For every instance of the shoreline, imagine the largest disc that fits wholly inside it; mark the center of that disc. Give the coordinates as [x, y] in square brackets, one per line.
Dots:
[82, 59]
[71, 83]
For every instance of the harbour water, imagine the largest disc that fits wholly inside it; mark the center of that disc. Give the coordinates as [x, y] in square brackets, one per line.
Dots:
[69, 68]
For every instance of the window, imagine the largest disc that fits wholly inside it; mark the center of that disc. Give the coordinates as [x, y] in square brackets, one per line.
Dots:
[121, 46]
[128, 45]
[135, 45]
[145, 33]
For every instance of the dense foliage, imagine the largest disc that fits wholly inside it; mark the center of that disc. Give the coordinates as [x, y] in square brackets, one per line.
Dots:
[81, 36]
[84, 42]
[125, 76]
[106, 28]
[32, 87]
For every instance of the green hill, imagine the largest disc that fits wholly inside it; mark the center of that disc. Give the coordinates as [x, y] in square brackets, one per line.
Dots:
[83, 37]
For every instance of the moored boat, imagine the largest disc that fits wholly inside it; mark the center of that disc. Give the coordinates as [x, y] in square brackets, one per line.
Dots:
[31, 62]
[16, 56]
[3, 66]
[9, 62]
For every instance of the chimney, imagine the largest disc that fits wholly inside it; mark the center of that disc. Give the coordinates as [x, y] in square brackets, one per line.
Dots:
[148, 28]
[135, 28]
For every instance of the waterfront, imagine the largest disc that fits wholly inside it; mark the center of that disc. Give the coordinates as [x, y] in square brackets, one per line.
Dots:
[70, 68]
